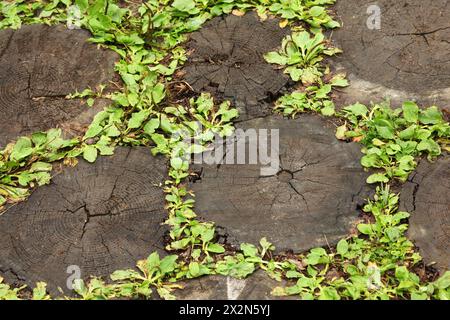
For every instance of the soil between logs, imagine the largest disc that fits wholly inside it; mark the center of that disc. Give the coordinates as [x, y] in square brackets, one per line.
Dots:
[227, 60]
[100, 217]
[425, 197]
[406, 58]
[39, 66]
[312, 200]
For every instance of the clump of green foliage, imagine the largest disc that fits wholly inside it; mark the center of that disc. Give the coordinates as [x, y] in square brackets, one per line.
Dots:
[301, 54]
[373, 266]
[312, 98]
[394, 138]
[34, 154]
[312, 12]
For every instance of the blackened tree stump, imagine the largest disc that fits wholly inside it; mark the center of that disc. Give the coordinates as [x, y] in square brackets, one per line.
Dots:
[312, 200]
[425, 197]
[39, 66]
[100, 217]
[227, 60]
[406, 58]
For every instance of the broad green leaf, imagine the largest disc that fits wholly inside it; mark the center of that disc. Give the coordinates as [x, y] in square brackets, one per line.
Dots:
[158, 93]
[340, 132]
[316, 11]
[342, 247]
[215, 248]
[137, 119]
[168, 264]
[22, 149]
[90, 153]
[357, 109]
[410, 112]
[275, 58]
[40, 166]
[194, 269]
[151, 126]
[377, 177]
[121, 275]
[184, 5]
[365, 228]
[249, 250]
[431, 115]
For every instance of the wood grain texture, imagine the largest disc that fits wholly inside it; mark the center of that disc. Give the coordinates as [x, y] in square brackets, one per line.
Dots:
[426, 197]
[39, 66]
[101, 217]
[227, 60]
[312, 200]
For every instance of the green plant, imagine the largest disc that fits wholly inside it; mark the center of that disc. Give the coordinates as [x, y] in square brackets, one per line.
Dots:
[312, 98]
[301, 54]
[7, 293]
[372, 267]
[25, 164]
[393, 138]
[312, 12]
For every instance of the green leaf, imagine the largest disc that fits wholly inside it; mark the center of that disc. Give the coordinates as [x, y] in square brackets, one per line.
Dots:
[168, 264]
[329, 293]
[90, 102]
[377, 177]
[216, 248]
[194, 269]
[316, 11]
[40, 292]
[443, 282]
[138, 118]
[158, 93]
[40, 166]
[410, 112]
[121, 275]
[176, 163]
[152, 261]
[22, 149]
[340, 132]
[385, 132]
[328, 109]
[184, 5]
[408, 133]
[151, 126]
[365, 228]
[39, 138]
[342, 247]
[357, 109]
[249, 250]
[276, 58]
[430, 146]
[419, 296]
[402, 273]
[339, 81]
[90, 153]
[431, 115]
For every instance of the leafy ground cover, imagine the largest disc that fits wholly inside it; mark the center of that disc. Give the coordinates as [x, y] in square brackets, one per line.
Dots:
[377, 262]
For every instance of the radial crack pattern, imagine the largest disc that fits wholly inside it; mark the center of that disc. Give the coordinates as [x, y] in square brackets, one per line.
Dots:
[100, 217]
[425, 196]
[410, 50]
[312, 200]
[227, 60]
